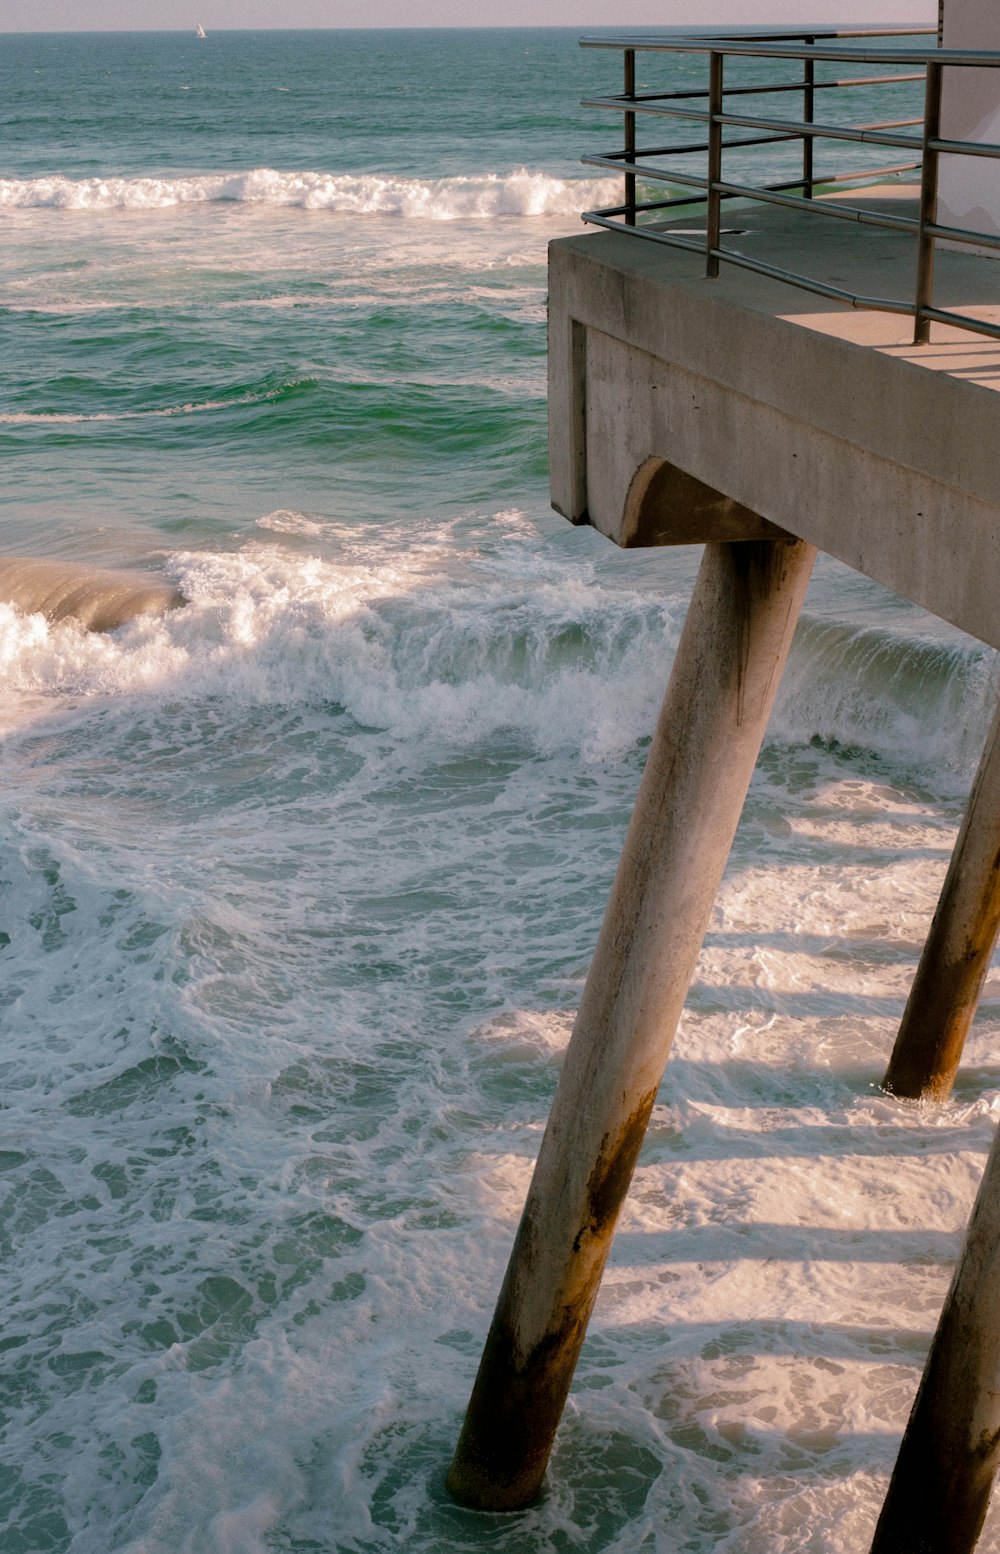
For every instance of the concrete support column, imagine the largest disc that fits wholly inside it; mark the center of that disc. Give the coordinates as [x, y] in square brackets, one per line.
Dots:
[941, 1485]
[725, 677]
[959, 948]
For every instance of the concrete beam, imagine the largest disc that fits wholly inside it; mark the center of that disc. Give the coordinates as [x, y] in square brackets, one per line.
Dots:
[725, 677]
[943, 1479]
[945, 992]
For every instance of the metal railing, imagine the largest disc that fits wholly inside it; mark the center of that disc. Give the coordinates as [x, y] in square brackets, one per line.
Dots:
[717, 114]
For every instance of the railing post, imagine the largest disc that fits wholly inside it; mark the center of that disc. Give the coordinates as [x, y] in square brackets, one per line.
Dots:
[808, 108]
[713, 226]
[928, 204]
[630, 138]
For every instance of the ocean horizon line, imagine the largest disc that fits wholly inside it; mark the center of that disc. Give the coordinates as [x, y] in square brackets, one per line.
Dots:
[577, 27]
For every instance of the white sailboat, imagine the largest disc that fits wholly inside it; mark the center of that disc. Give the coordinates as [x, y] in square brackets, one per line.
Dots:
[199, 31]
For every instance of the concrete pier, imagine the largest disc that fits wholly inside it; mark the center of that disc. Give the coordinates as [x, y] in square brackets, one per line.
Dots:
[733, 648]
[827, 422]
[750, 417]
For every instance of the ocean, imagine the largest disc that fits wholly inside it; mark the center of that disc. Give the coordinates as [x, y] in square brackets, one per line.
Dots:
[299, 884]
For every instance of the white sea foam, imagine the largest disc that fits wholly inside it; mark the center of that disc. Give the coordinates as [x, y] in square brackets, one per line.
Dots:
[395, 642]
[521, 193]
[378, 623]
[285, 521]
[69, 418]
[317, 863]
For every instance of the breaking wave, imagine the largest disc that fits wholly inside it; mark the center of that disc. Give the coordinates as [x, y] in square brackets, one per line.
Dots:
[401, 645]
[521, 193]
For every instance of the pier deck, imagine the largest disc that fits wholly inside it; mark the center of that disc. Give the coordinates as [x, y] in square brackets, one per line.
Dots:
[825, 420]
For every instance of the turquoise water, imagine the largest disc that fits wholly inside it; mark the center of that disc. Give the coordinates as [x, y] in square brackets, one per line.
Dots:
[298, 886]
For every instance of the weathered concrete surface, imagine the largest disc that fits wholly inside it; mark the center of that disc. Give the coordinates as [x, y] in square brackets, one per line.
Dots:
[940, 1489]
[99, 598]
[683, 409]
[824, 420]
[726, 673]
[959, 947]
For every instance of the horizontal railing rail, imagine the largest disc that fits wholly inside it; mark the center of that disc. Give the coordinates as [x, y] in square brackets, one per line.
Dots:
[711, 107]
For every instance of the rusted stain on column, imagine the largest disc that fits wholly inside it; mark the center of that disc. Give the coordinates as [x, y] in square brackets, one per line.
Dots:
[502, 1453]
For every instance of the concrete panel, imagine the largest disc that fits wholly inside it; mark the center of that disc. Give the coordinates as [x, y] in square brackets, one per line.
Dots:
[969, 193]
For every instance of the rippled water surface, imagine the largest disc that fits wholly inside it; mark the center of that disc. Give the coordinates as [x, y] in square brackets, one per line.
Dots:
[299, 884]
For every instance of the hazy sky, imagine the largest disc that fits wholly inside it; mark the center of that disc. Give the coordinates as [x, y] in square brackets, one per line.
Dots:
[111, 15]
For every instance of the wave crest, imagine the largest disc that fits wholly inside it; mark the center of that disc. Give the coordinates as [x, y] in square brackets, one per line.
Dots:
[487, 195]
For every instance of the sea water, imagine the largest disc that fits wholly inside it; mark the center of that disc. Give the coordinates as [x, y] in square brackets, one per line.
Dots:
[299, 884]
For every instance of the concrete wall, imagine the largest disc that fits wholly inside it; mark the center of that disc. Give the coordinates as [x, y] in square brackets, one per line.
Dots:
[970, 186]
